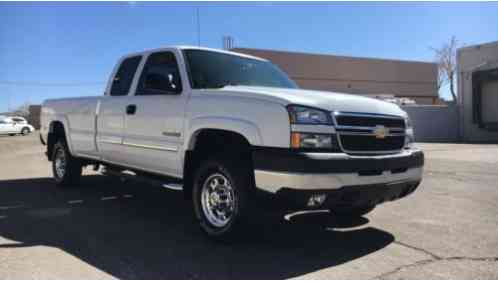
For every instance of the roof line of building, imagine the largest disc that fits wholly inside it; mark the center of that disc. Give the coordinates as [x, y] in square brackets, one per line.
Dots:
[359, 80]
[477, 46]
[238, 49]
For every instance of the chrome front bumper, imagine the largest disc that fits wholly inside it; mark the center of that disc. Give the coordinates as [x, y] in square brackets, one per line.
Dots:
[337, 170]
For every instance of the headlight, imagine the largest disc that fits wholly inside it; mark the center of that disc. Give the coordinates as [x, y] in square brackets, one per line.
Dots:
[306, 115]
[307, 139]
[311, 140]
[409, 136]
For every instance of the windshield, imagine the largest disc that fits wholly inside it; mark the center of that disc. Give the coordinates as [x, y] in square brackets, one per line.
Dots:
[210, 69]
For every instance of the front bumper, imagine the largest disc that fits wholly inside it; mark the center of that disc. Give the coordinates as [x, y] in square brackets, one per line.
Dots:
[349, 196]
[344, 178]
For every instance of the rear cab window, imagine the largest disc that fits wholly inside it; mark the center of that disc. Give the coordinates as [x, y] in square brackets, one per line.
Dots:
[121, 82]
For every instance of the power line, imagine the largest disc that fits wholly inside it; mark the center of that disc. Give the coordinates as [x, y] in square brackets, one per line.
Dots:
[50, 84]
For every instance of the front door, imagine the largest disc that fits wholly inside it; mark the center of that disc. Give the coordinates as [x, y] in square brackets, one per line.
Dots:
[154, 117]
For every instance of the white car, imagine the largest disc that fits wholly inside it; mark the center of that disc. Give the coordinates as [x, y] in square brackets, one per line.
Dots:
[232, 132]
[15, 125]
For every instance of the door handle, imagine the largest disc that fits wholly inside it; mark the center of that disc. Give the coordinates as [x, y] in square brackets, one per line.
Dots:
[131, 109]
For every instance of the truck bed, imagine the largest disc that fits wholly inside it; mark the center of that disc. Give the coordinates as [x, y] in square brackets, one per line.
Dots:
[79, 116]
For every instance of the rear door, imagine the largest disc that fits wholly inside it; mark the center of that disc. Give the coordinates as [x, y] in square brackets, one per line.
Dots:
[154, 117]
[111, 111]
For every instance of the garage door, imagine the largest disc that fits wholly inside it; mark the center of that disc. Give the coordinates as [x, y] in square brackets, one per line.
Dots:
[490, 102]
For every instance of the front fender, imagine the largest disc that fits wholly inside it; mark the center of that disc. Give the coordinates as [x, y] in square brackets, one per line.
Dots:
[247, 129]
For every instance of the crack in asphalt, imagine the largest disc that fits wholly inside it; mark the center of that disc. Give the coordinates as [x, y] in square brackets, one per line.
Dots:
[433, 258]
[419, 249]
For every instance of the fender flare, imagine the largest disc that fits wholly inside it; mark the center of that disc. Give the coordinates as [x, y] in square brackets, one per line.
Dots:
[245, 128]
[65, 126]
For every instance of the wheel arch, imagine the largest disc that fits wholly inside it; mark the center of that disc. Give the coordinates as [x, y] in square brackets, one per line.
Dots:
[208, 141]
[246, 129]
[57, 130]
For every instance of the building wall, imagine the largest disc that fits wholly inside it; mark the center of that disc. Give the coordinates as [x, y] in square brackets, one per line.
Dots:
[471, 59]
[433, 123]
[34, 116]
[365, 76]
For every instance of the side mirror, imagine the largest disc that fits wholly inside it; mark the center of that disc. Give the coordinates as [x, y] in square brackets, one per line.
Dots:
[173, 81]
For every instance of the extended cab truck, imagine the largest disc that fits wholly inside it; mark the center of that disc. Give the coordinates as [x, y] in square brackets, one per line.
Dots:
[225, 127]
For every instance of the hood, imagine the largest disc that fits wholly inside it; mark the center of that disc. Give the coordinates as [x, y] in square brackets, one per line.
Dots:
[330, 101]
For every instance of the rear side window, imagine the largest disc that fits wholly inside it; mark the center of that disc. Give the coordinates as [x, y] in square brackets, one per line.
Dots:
[123, 78]
[160, 75]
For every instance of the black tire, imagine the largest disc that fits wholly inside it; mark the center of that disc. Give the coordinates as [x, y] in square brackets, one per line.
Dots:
[239, 179]
[25, 131]
[70, 174]
[352, 211]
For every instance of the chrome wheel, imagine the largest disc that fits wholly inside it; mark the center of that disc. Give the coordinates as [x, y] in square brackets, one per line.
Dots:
[25, 131]
[218, 200]
[60, 163]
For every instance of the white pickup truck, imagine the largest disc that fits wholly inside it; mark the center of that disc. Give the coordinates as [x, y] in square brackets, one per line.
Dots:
[232, 131]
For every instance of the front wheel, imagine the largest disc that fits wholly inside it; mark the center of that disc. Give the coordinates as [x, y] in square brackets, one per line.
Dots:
[66, 169]
[220, 197]
[25, 131]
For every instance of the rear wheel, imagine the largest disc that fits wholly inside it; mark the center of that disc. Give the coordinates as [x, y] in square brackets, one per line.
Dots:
[220, 197]
[66, 169]
[352, 211]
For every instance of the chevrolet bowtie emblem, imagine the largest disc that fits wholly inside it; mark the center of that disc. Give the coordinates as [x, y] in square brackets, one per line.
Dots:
[381, 132]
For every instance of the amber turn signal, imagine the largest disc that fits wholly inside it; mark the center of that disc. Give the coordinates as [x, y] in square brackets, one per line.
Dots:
[295, 140]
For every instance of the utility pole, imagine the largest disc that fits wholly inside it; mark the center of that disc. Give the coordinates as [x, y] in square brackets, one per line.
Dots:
[8, 102]
[198, 27]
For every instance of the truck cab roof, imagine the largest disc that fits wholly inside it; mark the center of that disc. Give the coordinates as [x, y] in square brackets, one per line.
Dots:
[186, 47]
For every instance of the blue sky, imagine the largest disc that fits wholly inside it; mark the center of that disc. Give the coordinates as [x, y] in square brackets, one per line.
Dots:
[68, 49]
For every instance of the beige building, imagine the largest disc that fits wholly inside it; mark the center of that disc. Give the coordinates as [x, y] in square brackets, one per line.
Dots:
[364, 76]
[478, 92]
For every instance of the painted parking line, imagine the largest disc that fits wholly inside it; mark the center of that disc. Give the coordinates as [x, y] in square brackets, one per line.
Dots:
[288, 217]
[127, 196]
[108, 198]
[12, 207]
[75, 201]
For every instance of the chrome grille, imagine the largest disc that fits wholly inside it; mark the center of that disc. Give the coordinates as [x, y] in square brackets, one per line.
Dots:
[361, 133]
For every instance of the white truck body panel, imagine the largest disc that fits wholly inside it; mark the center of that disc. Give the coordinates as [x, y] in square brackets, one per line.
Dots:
[318, 99]
[164, 127]
[181, 118]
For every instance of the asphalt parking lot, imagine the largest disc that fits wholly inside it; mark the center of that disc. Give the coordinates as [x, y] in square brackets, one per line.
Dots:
[106, 229]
